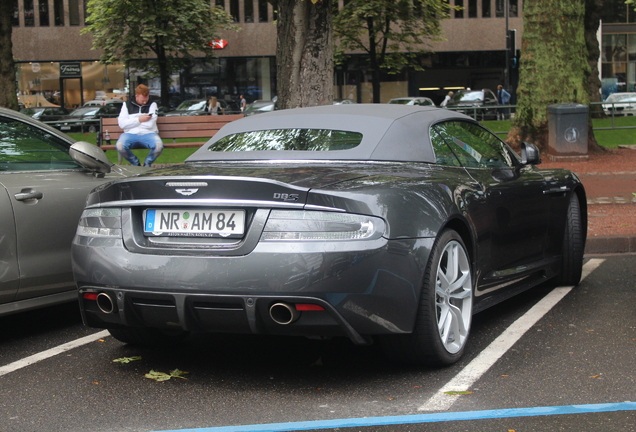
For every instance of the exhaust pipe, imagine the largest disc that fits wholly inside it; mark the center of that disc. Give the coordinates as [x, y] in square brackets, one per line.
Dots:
[105, 303]
[283, 313]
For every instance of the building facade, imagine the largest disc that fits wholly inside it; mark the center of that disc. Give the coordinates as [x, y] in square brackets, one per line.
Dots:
[56, 65]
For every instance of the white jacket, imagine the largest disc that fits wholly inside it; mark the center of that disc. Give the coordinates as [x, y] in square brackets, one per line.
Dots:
[130, 122]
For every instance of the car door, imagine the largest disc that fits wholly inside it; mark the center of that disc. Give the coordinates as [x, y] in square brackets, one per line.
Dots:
[510, 208]
[9, 275]
[45, 190]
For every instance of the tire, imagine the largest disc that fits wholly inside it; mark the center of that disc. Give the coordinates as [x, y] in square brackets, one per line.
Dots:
[92, 129]
[444, 316]
[148, 337]
[573, 245]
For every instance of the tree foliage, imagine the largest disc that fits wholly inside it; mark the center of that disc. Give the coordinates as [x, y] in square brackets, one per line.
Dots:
[304, 53]
[174, 30]
[392, 33]
[8, 96]
[554, 65]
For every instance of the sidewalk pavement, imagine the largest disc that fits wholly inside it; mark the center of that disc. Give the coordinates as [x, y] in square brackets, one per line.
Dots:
[614, 188]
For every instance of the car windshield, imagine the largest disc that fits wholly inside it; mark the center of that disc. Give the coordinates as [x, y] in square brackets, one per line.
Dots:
[400, 101]
[80, 112]
[192, 105]
[288, 139]
[468, 96]
[630, 97]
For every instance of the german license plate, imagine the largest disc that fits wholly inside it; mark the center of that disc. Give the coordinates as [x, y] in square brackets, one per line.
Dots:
[194, 223]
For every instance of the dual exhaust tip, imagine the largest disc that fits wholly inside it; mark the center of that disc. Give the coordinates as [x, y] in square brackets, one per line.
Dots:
[280, 313]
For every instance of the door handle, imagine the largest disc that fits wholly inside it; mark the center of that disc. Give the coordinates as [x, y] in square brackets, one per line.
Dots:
[28, 194]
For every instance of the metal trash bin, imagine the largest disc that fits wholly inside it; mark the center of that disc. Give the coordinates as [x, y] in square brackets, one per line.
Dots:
[567, 131]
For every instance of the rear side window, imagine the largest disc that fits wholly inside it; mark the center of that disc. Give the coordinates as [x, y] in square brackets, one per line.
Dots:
[288, 139]
[474, 146]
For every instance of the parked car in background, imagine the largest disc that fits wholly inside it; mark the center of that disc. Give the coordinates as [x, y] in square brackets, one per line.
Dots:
[343, 101]
[86, 119]
[102, 102]
[419, 101]
[259, 107]
[475, 103]
[623, 103]
[195, 107]
[190, 107]
[45, 114]
[367, 221]
[45, 177]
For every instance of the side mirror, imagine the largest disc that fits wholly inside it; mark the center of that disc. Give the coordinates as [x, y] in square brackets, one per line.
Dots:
[90, 156]
[530, 154]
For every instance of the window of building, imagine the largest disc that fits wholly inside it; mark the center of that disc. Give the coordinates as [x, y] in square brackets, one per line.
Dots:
[73, 12]
[500, 8]
[262, 10]
[58, 10]
[485, 9]
[472, 8]
[248, 10]
[513, 8]
[44, 13]
[220, 3]
[459, 13]
[29, 13]
[15, 17]
[234, 10]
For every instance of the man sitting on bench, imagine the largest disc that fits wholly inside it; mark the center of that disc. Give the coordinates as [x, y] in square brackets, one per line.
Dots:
[138, 119]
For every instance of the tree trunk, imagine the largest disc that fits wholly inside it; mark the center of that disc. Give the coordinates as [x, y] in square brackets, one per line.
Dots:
[551, 71]
[593, 11]
[304, 54]
[8, 96]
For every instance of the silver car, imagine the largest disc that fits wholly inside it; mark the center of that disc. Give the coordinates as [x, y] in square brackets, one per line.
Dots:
[369, 221]
[419, 101]
[43, 189]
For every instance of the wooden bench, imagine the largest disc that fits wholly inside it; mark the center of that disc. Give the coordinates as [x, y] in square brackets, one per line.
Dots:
[204, 127]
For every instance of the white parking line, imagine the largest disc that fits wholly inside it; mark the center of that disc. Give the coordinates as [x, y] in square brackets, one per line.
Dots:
[12, 367]
[442, 401]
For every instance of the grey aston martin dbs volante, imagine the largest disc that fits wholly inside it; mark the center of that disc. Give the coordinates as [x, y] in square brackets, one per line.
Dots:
[385, 222]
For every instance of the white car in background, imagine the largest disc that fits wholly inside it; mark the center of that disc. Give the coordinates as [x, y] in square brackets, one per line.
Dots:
[620, 104]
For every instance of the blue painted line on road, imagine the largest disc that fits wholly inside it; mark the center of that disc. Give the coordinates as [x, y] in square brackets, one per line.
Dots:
[421, 418]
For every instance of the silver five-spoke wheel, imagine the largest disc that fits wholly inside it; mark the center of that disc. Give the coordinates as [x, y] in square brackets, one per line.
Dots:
[453, 297]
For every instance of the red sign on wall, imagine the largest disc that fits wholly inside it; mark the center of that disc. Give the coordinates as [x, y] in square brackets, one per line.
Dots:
[218, 44]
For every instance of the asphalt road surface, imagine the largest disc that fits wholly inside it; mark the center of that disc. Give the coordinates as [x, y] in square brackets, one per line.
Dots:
[548, 360]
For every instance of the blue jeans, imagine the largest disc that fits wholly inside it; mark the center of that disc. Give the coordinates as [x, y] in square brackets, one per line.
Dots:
[128, 141]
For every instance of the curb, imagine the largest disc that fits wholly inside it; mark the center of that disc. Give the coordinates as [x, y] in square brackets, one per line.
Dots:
[610, 244]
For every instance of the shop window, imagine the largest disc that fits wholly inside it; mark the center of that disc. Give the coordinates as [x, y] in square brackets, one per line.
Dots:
[248, 10]
[234, 10]
[262, 10]
[58, 10]
[73, 12]
[459, 13]
[485, 9]
[44, 13]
